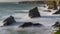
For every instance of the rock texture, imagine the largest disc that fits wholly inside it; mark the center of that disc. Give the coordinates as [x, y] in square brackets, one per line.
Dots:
[37, 24]
[9, 21]
[57, 12]
[55, 6]
[26, 24]
[30, 24]
[52, 5]
[57, 24]
[33, 13]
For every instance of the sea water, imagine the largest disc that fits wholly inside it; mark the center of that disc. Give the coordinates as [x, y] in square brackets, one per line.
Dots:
[20, 13]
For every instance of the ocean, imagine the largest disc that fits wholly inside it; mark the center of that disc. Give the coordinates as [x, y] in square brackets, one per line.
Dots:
[20, 13]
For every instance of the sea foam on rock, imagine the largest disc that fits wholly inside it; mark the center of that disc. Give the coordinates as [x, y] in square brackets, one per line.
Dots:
[57, 24]
[8, 21]
[30, 24]
[33, 13]
[57, 12]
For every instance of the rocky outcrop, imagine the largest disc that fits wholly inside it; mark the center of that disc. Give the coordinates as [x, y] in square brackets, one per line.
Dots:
[30, 24]
[55, 6]
[10, 20]
[57, 24]
[57, 12]
[52, 5]
[33, 13]
[26, 24]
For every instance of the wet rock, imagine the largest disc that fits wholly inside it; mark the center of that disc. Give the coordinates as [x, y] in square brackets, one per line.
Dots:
[57, 24]
[57, 12]
[37, 24]
[26, 24]
[33, 13]
[30, 24]
[9, 21]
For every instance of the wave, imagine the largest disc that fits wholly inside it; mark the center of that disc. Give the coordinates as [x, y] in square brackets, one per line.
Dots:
[21, 11]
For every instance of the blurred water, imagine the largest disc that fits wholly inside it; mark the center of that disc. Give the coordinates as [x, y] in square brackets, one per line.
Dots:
[20, 11]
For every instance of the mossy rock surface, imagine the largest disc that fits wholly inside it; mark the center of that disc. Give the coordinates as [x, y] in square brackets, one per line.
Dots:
[58, 32]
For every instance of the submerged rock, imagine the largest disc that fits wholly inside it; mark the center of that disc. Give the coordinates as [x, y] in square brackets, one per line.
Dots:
[30, 24]
[57, 12]
[33, 13]
[9, 21]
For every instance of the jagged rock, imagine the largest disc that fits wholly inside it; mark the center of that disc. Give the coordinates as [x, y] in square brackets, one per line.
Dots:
[27, 24]
[33, 13]
[57, 12]
[57, 24]
[9, 21]
[30, 24]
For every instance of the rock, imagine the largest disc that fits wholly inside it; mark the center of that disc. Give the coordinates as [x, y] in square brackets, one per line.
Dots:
[26, 24]
[30, 24]
[57, 24]
[50, 7]
[33, 13]
[9, 21]
[44, 6]
[57, 12]
[55, 6]
[37, 24]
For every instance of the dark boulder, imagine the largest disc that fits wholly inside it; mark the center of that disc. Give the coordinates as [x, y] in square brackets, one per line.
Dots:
[55, 6]
[30, 24]
[33, 13]
[57, 24]
[9, 21]
[57, 12]
[26, 24]
[37, 24]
